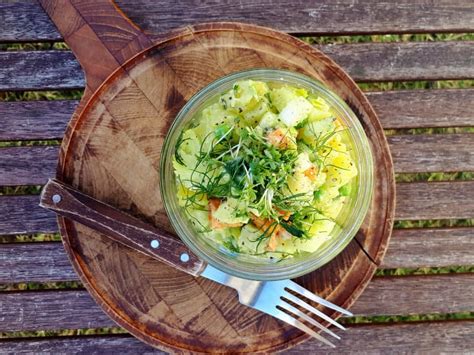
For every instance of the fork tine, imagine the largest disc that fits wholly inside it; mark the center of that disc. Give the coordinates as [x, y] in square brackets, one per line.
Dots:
[297, 312]
[301, 290]
[297, 324]
[310, 308]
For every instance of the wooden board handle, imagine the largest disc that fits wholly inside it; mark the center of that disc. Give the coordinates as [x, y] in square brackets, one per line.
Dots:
[100, 35]
[119, 226]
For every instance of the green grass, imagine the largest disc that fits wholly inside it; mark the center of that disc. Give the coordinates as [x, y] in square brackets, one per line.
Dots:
[404, 85]
[389, 38]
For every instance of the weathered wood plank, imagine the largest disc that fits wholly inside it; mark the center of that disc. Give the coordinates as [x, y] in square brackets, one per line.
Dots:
[415, 201]
[411, 248]
[39, 70]
[54, 310]
[368, 339]
[28, 120]
[23, 215]
[26, 21]
[411, 154]
[398, 338]
[423, 108]
[24, 120]
[75, 309]
[43, 70]
[430, 247]
[41, 262]
[446, 293]
[405, 61]
[432, 153]
[27, 165]
[435, 200]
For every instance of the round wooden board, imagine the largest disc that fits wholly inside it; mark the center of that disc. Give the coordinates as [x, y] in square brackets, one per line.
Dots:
[112, 151]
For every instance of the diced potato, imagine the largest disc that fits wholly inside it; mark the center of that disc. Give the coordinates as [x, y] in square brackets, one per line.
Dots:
[295, 111]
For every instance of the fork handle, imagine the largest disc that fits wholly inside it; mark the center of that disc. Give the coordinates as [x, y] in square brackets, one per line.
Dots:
[119, 226]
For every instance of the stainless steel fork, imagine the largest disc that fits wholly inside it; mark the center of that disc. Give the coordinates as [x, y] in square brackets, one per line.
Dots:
[279, 299]
[274, 298]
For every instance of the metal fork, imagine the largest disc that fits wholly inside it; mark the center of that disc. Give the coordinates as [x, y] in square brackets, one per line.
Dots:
[271, 297]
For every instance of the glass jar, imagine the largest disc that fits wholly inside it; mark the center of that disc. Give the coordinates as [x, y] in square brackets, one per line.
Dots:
[349, 219]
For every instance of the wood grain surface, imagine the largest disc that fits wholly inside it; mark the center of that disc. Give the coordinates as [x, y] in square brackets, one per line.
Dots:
[369, 339]
[427, 294]
[25, 20]
[39, 119]
[365, 62]
[121, 130]
[430, 247]
[411, 248]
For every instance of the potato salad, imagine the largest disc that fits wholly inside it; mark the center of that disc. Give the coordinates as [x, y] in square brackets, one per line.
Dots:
[265, 169]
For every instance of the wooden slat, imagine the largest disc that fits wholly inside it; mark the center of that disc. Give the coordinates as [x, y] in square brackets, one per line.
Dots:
[53, 310]
[446, 293]
[430, 247]
[22, 215]
[41, 70]
[432, 153]
[27, 165]
[409, 248]
[435, 200]
[405, 61]
[24, 120]
[28, 120]
[75, 309]
[317, 17]
[40, 262]
[411, 154]
[26, 21]
[424, 108]
[415, 201]
[397, 338]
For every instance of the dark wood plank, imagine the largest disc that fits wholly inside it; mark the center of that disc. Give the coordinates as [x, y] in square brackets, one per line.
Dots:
[409, 248]
[433, 247]
[39, 70]
[423, 108]
[23, 215]
[27, 165]
[399, 338]
[367, 338]
[28, 120]
[405, 61]
[42, 70]
[25, 21]
[435, 200]
[415, 201]
[446, 293]
[75, 309]
[24, 120]
[51, 310]
[302, 17]
[41, 262]
[432, 153]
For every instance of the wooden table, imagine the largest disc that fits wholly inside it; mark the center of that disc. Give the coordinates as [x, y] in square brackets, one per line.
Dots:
[430, 295]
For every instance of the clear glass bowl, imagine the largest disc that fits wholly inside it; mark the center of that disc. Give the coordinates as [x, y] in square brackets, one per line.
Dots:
[349, 219]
